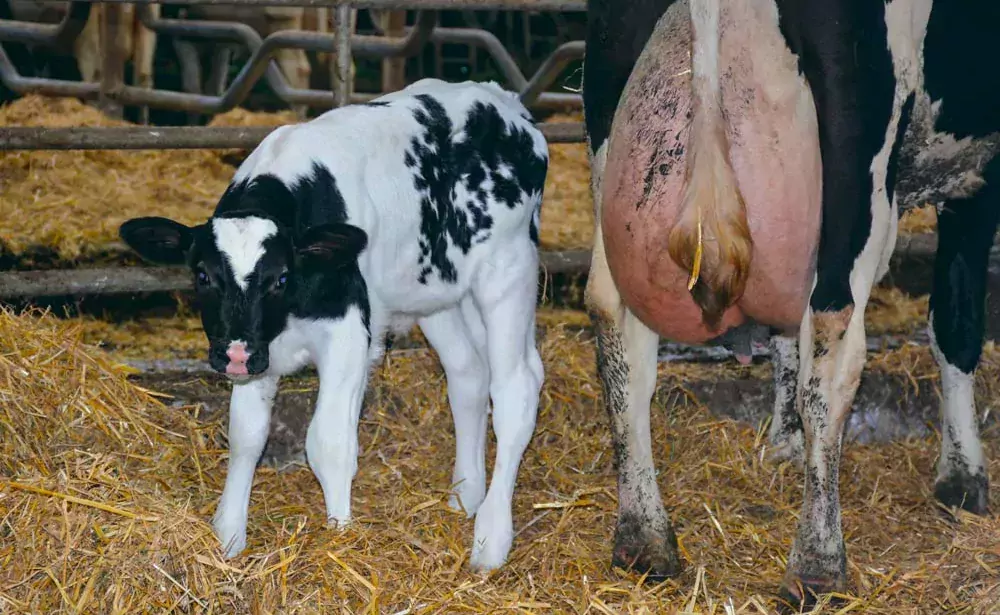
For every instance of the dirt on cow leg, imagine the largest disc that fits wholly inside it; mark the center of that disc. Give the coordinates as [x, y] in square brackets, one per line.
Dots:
[835, 344]
[626, 364]
[786, 436]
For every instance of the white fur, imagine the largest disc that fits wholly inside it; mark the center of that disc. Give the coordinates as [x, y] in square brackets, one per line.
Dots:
[481, 325]
[959, 429]
[241, 240]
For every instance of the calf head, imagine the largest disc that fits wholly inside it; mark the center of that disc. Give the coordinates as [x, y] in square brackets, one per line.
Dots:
[250, 273]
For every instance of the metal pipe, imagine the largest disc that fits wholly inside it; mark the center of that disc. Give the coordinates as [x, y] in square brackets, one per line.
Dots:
[184, 137]
[59, 36]
[488, 41]
[112, 280]
[341, 80]
[550, 69]
[260, 64]
[578, 6]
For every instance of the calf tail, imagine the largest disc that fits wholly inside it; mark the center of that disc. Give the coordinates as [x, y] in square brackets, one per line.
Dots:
[711, 239]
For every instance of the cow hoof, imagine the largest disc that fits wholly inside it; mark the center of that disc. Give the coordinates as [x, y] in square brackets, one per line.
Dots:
[646, 552]
[799, 594]
[965, 491]
[791, 448]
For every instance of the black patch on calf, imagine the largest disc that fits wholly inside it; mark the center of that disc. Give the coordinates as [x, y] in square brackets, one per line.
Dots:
[439, 163]
[312, 200]
[376, 103]
[317, 287]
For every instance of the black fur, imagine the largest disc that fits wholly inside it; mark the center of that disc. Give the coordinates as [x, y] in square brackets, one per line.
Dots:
[309, 268]
[616, 34]
[842, 52]
[439, 162]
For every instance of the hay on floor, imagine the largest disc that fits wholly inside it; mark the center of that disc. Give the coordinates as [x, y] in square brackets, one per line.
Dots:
[107, 492]
[72, 202]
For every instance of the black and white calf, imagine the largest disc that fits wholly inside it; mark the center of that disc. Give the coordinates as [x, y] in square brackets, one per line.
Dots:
[422, 206]
[707, 116]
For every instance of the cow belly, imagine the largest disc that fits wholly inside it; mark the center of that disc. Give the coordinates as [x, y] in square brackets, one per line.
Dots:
[774, 149]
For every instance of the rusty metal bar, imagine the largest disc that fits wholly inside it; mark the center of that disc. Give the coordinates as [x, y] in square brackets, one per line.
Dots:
[184, 137]
[436, 5]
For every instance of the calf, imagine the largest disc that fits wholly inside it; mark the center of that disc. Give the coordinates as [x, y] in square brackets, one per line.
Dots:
[420, 206]
[749, 159]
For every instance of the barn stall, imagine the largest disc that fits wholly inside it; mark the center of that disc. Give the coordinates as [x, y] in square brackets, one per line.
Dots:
[114, 441]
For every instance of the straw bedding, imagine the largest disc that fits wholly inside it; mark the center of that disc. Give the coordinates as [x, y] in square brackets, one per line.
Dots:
[107, 491]
[107, 488]
[71, 203]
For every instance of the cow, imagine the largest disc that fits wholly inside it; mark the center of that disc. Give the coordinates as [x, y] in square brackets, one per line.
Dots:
[421, 206]
[749, 162]
[137, 42]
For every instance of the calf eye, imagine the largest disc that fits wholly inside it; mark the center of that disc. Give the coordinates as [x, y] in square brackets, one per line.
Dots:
[281, 281]
[202, 278]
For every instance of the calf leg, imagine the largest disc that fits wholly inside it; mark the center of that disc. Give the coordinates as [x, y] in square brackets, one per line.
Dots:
[466, 368]
[507, 302]
[340, 348]
[249, 420]
[786, 437]
[966, 230]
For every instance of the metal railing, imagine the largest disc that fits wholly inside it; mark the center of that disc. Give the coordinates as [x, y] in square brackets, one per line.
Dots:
[260, 65]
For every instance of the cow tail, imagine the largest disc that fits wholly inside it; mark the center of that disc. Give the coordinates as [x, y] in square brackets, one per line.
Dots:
[711, 239]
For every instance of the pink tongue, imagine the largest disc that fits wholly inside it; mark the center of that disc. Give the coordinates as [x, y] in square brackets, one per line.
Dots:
[744, 359]
[236, 369]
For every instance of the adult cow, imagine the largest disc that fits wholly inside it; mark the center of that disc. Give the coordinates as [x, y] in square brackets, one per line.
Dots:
[748, 150]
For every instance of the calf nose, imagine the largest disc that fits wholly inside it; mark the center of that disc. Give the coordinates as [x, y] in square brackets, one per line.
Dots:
[237, 353]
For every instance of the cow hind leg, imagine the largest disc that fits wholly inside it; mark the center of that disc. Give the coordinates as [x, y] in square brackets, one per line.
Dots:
[786, 437]
[965, 235]
[626, 365]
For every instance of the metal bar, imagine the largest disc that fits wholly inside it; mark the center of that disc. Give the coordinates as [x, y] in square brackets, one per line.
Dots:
[184, 137]
[488, 41]
[67, 282]
[113, 58]
[437, 5]
[260, 64]
[393, 69]
[111, 280]
[341, 80]
[59, 36]
[550, 69]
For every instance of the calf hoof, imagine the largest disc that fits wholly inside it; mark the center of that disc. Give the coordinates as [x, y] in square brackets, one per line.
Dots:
[467, 496]
[494, 535]
[646, 552]
[966, 491]
[800, 593]
[232, 536]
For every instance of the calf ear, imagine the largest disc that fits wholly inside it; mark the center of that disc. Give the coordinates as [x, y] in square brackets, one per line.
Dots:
[159, 240]
[339, 243]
